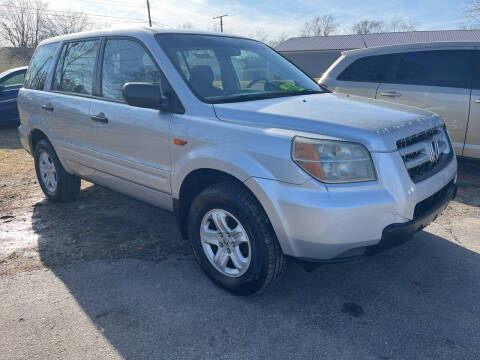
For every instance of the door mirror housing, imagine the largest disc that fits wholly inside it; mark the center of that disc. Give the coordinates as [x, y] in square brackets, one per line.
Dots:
[144, 95]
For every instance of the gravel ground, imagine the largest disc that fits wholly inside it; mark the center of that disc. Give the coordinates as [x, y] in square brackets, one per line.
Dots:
[110, 277]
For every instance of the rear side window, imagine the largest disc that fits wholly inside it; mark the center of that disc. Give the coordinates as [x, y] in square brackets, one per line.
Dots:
[369, 69]
[39, 66]
[446, 68]
[126, 61]
[75, 68]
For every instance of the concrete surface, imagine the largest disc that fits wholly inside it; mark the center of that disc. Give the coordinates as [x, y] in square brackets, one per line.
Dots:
[110, 277]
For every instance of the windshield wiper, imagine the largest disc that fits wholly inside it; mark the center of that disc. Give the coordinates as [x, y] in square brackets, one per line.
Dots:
[267, 95]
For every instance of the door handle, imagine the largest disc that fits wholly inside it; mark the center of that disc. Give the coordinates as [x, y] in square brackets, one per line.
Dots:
[477, 101]
[100, 118]
[47, 107]
[391, 94]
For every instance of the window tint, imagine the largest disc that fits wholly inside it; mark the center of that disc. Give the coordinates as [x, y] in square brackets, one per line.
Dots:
[449, 68]
[75, 67]
[14, 81]
[126, 61]
[39, 66]
[369, 69]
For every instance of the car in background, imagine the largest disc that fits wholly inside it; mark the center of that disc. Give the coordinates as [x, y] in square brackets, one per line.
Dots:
[10, 82]
[442, 77]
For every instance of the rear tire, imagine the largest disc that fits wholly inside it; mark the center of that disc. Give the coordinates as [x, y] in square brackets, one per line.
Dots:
[56, 183]
[248, 237]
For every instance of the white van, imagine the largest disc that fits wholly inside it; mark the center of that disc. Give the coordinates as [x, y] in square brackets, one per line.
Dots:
[442, 77]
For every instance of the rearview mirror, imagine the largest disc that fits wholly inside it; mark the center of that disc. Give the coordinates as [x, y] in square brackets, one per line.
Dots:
[144, 95]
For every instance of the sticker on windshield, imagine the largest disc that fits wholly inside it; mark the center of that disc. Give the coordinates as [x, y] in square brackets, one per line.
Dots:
[289, 86]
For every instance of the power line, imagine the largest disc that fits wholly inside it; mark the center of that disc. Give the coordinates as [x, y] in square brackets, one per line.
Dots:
[126, 4]
[60, 12]
[221, 21]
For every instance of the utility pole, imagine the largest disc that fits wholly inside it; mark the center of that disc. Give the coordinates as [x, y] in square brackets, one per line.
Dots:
[149, 18]
[221, 21]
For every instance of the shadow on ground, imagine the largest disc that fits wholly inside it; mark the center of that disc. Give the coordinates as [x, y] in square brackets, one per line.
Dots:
[9, 139]
[469, 182]
[135, 277]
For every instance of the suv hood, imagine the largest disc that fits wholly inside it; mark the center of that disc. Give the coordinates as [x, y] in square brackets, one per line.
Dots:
[376, 124]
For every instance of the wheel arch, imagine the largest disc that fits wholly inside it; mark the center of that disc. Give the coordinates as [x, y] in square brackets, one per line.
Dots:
[194, 183]
[35, 136]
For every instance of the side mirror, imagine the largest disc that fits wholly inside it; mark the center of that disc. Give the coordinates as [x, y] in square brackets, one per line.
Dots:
[144, 95]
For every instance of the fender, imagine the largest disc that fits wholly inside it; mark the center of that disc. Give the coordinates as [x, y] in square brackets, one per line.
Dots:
[231, 161]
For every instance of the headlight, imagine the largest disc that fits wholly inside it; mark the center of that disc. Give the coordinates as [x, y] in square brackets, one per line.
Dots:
[333, 161]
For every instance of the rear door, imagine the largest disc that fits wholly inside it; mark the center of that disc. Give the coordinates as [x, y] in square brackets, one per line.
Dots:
[438, 81]
[363, 76]
[71, 99]
[472, 138]
[9, 87]
[131, 143]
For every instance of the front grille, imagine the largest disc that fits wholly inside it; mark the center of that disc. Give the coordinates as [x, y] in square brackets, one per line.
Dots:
[426, 153]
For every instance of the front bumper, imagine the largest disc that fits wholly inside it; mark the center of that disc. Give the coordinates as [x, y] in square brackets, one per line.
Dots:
[426, 212]
[333, 223]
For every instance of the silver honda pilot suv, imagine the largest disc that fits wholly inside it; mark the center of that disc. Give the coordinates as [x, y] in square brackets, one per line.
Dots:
[257, 161]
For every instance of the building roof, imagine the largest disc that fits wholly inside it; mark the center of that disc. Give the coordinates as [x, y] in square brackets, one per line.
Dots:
[348, 42]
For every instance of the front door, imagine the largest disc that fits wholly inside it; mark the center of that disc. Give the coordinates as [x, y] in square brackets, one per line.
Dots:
[363, 76]
[131, 143]
[68, 105]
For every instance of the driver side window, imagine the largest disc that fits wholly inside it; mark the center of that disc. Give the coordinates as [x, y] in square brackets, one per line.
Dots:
[126, 61]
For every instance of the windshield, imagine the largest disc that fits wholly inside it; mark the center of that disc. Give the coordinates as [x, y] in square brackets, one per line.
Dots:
[225, 69]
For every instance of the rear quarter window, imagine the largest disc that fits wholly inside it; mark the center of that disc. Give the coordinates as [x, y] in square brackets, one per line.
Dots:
[39, 66]
[369, 69]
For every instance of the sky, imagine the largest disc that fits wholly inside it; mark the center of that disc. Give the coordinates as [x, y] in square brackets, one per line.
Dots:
[273, 17]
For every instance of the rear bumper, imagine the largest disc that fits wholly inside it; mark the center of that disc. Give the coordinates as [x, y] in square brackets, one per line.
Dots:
[24, 139]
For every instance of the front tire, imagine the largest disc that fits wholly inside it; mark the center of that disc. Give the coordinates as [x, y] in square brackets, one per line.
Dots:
[233, 240]
[56, 183]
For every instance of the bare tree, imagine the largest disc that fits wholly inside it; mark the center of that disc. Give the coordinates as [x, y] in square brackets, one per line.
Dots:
[260, 35]
[471, 15]
[274, 43]
[66, 23]
[25, 22]
[368, 27]
[320, 25]
[398, 24]
[21, 26]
